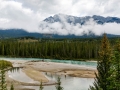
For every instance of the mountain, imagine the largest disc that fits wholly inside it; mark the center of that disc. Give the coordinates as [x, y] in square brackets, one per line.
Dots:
[16, 33]
[79, 26]
[81, 20]
[62, 20]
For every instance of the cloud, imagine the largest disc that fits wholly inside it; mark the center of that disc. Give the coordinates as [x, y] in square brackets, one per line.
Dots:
[28, 15]
[65, 28]
[14, 15]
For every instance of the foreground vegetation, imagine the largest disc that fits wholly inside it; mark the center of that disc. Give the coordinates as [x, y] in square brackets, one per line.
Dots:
[4, 66]
[108, 76]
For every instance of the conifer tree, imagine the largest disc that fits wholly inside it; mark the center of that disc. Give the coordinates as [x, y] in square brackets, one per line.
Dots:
[3, 85]
[41, 86]
[12, 87]
[102, 80]
[3, 67]
[58, 86]
[116, 67]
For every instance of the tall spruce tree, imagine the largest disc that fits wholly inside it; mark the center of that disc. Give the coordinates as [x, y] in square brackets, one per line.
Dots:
[3, 68]
[116, 67]
[102, 80]
[12, 87]
[58, 86]
[41, 86]
[3, 85]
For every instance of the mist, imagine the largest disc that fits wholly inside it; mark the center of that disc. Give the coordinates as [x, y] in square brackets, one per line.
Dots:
[62, 27]
[65, 28]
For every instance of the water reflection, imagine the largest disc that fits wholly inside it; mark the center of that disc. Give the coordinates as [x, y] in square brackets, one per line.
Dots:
[68, 83]
[20, 76]
[72, 83]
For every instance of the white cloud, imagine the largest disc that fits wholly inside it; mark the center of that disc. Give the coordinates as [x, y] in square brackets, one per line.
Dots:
[65, 28]
[27, 14]
[14, 15]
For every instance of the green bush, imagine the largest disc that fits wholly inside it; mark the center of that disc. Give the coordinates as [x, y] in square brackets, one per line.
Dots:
[5, 64]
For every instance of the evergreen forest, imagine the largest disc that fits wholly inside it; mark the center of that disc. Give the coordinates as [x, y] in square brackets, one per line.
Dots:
[74, 49]
[106, 52]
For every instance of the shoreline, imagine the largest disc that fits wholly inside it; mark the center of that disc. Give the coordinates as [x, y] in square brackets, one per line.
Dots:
[85, 60]
[34, 71]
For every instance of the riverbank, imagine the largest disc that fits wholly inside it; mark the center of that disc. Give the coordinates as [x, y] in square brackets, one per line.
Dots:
[35, 69]
[63, 69]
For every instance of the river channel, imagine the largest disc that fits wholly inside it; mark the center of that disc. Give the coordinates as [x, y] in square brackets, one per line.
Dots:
[68, 83]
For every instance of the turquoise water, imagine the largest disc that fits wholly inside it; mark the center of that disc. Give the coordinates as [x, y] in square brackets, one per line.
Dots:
[83, 63]
[68, 83]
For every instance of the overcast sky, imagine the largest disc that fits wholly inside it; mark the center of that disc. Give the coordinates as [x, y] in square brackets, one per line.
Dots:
[27, 14]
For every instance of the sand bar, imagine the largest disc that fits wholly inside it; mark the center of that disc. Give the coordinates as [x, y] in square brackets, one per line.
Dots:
[34, 70]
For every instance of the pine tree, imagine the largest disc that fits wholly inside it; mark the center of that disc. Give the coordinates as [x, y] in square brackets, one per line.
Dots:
[3, 85]
[58, 86]
[116, 67]
[41, 86]
[12, 87]
[102, 80]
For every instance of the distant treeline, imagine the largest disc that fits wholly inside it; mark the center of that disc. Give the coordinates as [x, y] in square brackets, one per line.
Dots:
[56, 49]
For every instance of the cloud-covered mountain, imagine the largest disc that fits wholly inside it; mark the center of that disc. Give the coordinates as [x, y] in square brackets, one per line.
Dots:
[81, 20]
[66, 26]
[71, 25]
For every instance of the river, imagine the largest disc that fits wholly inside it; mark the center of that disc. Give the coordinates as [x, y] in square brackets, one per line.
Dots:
[68, 83]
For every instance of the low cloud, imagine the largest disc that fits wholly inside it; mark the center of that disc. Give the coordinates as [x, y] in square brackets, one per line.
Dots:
[65, 28]
[28, 15]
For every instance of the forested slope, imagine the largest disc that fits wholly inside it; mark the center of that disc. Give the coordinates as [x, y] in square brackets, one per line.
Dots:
[49, 48]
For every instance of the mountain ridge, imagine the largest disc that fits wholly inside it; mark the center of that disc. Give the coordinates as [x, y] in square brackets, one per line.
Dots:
[82, 20]
[62, 18]
[16, 33]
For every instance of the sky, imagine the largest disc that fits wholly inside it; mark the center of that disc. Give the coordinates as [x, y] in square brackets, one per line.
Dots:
[28, 14]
